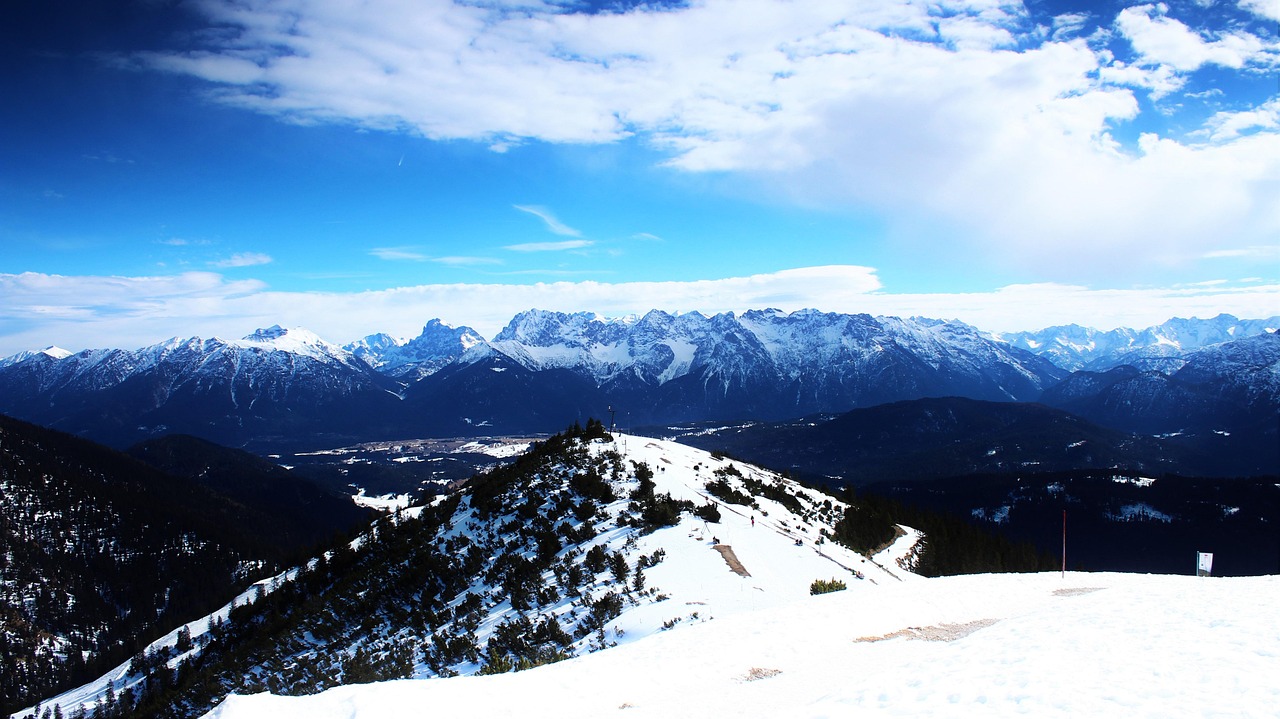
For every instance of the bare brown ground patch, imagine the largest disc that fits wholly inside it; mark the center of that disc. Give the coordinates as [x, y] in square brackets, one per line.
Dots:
[1074, 591]
[731, 559]
[755, 674]
[935, 633]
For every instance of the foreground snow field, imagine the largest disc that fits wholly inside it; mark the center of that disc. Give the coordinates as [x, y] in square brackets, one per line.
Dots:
[990, 645]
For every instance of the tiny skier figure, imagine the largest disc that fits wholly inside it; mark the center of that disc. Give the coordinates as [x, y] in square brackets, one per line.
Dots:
[753, 520]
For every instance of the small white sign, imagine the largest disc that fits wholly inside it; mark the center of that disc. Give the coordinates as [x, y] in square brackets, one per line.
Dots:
[1204, 563]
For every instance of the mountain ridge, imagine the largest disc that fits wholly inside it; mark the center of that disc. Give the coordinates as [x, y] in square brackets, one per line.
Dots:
[585, 542]
[280, 387]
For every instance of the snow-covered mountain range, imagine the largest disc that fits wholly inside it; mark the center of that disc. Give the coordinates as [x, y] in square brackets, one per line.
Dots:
[1160, 347]
[548, 368]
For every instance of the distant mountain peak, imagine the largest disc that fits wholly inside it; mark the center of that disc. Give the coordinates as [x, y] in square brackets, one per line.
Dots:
[1163, 347]
[284, 338]
[271, 333]
[52, 352]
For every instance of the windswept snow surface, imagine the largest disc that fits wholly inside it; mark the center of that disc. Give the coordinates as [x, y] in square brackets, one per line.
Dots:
[981, 645]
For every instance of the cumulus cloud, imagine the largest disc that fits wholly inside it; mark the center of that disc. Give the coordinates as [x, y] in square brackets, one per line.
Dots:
[37, 310]
[959, 114]
[1268, 9]
[1162, 40]
[1230, 125]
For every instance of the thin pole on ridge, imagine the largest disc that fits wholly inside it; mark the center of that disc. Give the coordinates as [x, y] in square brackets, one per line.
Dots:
[1064, 544]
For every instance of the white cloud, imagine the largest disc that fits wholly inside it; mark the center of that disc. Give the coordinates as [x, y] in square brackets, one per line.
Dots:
[37, 310]
[549, 246]
[1068, 25]
[1230, 125]
[243, 259]
[1161, 40]
[955, 114]
[1269, 9]
[549, 219]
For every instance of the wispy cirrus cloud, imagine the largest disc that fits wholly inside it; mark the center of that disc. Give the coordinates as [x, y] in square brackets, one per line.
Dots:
[552, 223]
[395, 254]
[1257, 252]
[182, 242]
[414, 254]
[466, 261]
[242, 259]
[549, 246]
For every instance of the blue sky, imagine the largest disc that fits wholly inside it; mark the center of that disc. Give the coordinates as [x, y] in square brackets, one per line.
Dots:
[206, 167]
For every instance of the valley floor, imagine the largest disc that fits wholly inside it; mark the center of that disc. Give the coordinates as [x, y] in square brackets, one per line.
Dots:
[992, 645]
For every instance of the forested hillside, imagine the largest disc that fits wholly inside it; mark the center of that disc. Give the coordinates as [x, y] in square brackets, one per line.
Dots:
[100, 554]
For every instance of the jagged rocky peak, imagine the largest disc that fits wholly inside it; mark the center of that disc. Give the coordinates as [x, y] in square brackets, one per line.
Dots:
[273, 332]
[544, 328]
[373, 344]
[444, 336]
[438, 344]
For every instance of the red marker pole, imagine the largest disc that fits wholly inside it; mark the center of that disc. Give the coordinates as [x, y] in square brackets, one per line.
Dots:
[1064, 544]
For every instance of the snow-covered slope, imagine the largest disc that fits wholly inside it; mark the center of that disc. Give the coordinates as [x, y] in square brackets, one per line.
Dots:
[979, 645]
[50, 351]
